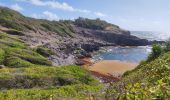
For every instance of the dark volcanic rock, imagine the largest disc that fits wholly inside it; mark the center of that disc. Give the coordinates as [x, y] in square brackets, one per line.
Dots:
[113, 37]
[90, 47]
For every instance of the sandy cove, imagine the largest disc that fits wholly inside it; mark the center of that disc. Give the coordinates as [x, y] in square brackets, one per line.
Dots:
[108, 70]
[112, 67]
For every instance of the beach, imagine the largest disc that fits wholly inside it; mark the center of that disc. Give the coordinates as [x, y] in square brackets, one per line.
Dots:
[112, 67]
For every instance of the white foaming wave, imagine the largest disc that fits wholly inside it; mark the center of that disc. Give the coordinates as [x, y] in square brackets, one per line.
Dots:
[160, 36]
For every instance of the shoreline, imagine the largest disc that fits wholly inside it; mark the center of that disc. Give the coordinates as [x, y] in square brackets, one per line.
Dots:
[113, 67]
[107, 70]
[110, 48]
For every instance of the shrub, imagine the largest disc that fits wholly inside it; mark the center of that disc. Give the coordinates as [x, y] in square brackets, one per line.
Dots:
[2, 55]
[71, 92]
[157, 50]
[43, 76]
[167, 45]
[15, 62]
[44, 51]
[28, 55]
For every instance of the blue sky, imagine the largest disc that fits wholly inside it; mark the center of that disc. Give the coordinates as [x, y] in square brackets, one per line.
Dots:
[144, 15]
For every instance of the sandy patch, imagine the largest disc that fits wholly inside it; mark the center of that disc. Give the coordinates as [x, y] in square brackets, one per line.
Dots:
[112, 67]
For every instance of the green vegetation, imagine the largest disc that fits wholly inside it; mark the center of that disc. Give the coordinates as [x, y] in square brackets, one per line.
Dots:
[44, 76]
[93, 24]
[28, 75]
[46, 82]
[73, 92]
[14, 20]
[44, 51]
[157, 50]
[14, 53]
[2, 55]
[150, 80]
[167, 46]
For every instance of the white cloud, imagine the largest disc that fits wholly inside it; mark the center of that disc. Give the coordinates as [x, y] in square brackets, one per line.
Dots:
[50, 15]
[83, 11]
[99, 14]
[16, 7]
[46, 15]
[56, 5]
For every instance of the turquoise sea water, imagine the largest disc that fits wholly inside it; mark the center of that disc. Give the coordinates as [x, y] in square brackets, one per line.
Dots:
[131, 54]
[128, 54]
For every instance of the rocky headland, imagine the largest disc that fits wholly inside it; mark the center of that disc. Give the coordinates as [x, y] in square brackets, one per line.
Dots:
[70, 41]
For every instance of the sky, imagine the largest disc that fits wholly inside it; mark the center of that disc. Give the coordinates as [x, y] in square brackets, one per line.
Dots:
[135, 15]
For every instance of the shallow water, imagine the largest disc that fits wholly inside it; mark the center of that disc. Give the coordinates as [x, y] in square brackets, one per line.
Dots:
[128, 54]
[132, 54]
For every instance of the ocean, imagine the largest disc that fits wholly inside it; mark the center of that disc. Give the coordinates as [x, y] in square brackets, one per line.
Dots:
[132, 54]
[159, 36]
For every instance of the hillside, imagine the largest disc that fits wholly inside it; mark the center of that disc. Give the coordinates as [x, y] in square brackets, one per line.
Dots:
[150, 80]
[33, 50]
[29, 74]
[69, 40]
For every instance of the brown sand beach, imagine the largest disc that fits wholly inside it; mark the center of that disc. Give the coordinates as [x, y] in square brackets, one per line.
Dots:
[108, 70]
[112, 67]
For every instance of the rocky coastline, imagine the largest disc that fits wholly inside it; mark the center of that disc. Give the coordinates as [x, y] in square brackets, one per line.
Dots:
[69, 40]
[70, 50]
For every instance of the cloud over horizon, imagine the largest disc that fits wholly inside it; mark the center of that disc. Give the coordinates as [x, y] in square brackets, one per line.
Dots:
[99, 14]
[16, 7]
[46, 15]
[55, 5]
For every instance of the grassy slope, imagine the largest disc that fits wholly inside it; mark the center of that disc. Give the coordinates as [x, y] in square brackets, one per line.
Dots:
[29, 74]
[12, 19]
[150, 80]
[93, 24]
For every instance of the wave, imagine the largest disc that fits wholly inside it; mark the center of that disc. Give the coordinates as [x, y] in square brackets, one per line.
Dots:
[159, 36]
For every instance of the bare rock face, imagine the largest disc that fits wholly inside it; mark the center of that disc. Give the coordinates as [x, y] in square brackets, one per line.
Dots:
[113, 37]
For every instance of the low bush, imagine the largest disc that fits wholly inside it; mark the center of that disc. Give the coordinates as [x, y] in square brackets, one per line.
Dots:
[16, 54]
[16, 62]
[44, 51]
[2, 55]
[167, 46]
[77, 92]
[44, 76]
[157, 50]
